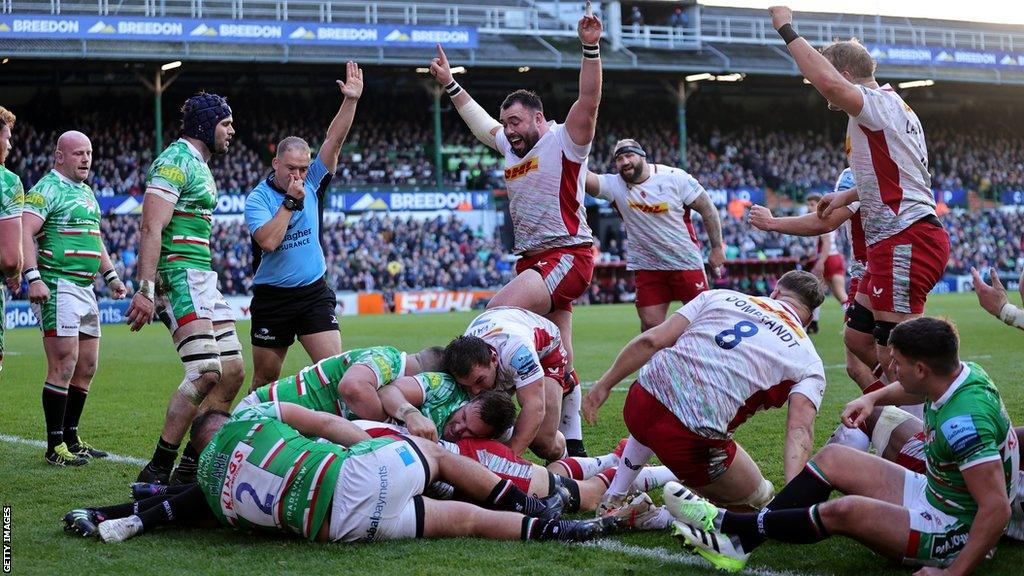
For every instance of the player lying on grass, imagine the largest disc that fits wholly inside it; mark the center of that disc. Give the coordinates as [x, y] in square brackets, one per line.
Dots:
[703, 373]
[898, 436]
[346, 384]
[951, 516]
[259, 470]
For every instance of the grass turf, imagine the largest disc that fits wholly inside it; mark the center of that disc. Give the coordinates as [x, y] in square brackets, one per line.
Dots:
[138, 372]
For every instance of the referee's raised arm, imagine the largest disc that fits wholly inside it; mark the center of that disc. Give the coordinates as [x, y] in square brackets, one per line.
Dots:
[337, 132]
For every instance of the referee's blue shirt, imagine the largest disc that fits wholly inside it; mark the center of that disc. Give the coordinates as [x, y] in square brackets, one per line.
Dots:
[299, 260]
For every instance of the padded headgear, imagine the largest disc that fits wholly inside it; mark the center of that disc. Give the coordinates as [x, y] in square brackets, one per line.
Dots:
[201, 114]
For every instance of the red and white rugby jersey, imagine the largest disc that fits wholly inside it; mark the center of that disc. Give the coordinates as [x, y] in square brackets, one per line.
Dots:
[656, 213]
[834, 249]
[546, 191]
[740, 354]
[521, 339]
[854, 228]
[887, 153]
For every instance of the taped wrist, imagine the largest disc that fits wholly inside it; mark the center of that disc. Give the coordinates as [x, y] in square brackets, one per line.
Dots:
[788, 33]
[1012, 316]
[452, 88]
[591, 51]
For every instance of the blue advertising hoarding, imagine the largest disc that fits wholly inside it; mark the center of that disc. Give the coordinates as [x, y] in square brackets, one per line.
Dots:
[42, 27]
[945, 57]
[228, 204]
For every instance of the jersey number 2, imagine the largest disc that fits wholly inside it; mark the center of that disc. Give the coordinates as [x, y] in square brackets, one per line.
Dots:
[729, 339]
[265, 507]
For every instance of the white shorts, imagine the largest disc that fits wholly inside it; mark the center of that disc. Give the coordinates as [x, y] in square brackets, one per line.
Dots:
[71, 309]
[378, 495]
[245, 402]
[923, 516]
[183, 295]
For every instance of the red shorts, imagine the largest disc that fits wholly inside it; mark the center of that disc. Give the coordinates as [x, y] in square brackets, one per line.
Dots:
[851, 292]
[695, 460]
[835, 265]
[905, 267]
[655, 287]
[500, 459]
[567, 272]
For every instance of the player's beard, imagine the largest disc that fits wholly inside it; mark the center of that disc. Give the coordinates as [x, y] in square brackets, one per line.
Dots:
[220, 146]
[529, 140]
[637, 173]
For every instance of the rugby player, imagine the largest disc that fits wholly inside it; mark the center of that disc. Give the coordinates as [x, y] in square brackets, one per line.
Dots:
[827, 263]
[907, 245]
[703, 373]
[950, 516]
[328, 385]
[12, 200]
[515, 350]
[175, 280]
[62, 216]
[259, 470]
[290, 297]
[655, 202]
[545, 169]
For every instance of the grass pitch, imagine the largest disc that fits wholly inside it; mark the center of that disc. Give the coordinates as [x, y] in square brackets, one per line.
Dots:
[138, 372]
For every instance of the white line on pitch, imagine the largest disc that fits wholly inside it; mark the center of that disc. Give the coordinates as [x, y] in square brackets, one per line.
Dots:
[40, 444]
[663, 555]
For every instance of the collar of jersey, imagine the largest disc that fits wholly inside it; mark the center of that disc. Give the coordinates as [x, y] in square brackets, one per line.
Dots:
[192, 149]
[965, 371]
[273, 185]
[65, 179]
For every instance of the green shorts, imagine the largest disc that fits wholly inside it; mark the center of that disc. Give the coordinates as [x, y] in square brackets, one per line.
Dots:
[185, 294]
[71, 309]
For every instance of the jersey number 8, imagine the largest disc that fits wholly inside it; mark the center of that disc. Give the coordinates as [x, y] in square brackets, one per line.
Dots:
[729, 339]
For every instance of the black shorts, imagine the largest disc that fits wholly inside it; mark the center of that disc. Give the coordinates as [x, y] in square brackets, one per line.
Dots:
[281, 314]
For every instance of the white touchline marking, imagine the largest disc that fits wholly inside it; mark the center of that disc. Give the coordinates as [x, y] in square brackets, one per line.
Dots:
[663, 555]
[40, 444]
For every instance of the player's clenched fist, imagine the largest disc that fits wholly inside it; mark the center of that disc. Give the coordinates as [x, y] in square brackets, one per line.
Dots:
[761, 218]
[781, 15]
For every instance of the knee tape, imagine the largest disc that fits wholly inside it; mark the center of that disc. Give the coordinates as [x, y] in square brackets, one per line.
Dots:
[227, 343]
[881, 332]
[758, 499]
[888, 421]
[859, 318]
[200, 355]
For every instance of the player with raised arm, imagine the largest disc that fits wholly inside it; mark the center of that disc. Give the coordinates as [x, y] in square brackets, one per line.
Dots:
[993, 298]
[907, 245]
[655, 202]
[827, 263]
[63, 252]
[703, 373]
[12, 200]
[325, 386]
[545, 169]
[951, 516]
[175, 280]
[517, 351]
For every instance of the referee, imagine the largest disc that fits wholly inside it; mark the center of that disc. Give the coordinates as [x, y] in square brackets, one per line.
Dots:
[290, 295]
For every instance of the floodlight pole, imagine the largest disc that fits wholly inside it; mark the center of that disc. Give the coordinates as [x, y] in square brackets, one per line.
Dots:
[680, 93]
[438, 156]
[157, 87]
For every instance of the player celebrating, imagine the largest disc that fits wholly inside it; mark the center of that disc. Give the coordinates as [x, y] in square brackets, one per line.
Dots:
[951, 516]
[62, 215]
[12, 199]
[515, 350]
[993, 298]
[655, 203]
[907, 245]
[175, 278]
[705, 371]
[545, 169]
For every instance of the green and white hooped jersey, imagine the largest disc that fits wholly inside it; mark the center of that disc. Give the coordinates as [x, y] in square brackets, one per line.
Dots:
[69, 239]
[181, 176]
[316, 387]
[12, 200]
[259, 473]
[441, 397]
[967, 426]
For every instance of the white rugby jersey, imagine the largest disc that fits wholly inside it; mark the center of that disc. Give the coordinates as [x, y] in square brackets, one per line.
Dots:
[546, 190]
[1015, 529]
[854, 229]
[656, 213]
[740, 354]
[834, 248]
[521, 338]
[887, 153]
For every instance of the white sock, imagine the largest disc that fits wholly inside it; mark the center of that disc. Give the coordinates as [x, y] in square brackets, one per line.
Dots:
[586, 467]
[652, 477]
[571, 426]
[634, 456]
[852, 437]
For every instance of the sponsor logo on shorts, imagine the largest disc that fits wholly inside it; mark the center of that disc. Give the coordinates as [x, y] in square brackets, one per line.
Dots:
[877, 291]
[384, 476]
[263, 334]
[700, 285]
[947, 544]
[521, 169]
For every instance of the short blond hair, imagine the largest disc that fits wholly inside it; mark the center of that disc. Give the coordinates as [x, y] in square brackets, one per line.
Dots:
[7, 117]
[850, 56]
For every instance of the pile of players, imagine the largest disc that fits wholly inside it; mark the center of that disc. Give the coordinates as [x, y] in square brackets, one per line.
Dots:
[702, 372]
